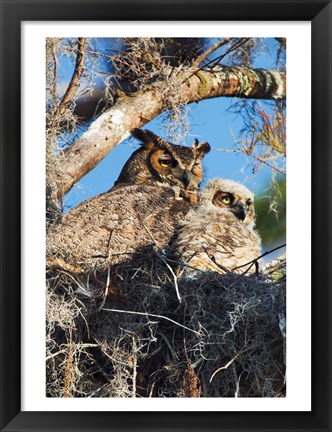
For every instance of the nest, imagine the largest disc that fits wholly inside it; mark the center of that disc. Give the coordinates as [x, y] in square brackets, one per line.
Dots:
[138, 330]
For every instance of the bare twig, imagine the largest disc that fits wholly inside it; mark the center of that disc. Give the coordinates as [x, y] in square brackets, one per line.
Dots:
[224, 367]
[248, 152]
[153, 316]
[256, 259]
[217, 60]
[212, 258]
[68, 374]
[74, 82]
[134, 351]
[97, 53]
[55, 77]
[279, 170]
[237, 45]
[203, 56]
[82, 345]
[167, 265]
[176, 286]
[107, 285]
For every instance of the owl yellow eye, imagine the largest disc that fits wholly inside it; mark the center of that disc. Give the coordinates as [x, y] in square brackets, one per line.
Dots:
[166, 162]
[226, 200]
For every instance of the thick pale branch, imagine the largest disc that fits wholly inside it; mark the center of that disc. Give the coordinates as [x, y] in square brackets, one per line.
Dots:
[112, 127]
[239, 82]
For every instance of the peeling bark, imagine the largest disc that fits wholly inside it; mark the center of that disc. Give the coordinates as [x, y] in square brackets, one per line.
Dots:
[113, 126]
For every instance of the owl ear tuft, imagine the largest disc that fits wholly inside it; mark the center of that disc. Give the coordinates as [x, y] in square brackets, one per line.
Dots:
[201, 148]
[148, 139]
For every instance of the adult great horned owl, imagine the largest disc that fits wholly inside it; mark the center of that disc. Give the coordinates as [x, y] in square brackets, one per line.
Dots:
[159, 162]
[218, 233]
[154, 191]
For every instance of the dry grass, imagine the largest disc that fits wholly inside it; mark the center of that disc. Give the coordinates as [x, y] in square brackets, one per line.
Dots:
[124, 333]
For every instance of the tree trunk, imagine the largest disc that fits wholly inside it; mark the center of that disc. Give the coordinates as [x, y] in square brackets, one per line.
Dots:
[113, 126]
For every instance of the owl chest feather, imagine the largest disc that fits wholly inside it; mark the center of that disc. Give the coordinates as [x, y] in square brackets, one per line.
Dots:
[216, 240]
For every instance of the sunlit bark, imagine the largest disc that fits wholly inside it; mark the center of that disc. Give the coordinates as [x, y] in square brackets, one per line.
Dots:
[113, 126]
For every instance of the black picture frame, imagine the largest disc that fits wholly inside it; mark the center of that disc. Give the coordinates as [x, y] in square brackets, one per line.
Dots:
[12, 14]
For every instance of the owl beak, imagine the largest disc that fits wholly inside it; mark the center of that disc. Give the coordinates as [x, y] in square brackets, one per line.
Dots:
[186, 178]
[241, 211]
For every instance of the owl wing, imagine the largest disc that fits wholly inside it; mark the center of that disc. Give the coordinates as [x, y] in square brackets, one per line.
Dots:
[117, 222]
[155, 215]
[85, 229]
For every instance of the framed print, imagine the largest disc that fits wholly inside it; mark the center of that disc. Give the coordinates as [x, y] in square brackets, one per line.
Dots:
[158, 132]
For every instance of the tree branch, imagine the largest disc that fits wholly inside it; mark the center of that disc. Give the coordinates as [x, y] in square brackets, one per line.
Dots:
[203, 56]
[234, 47]
[129, 112]
[55, 77]
[74, 82]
